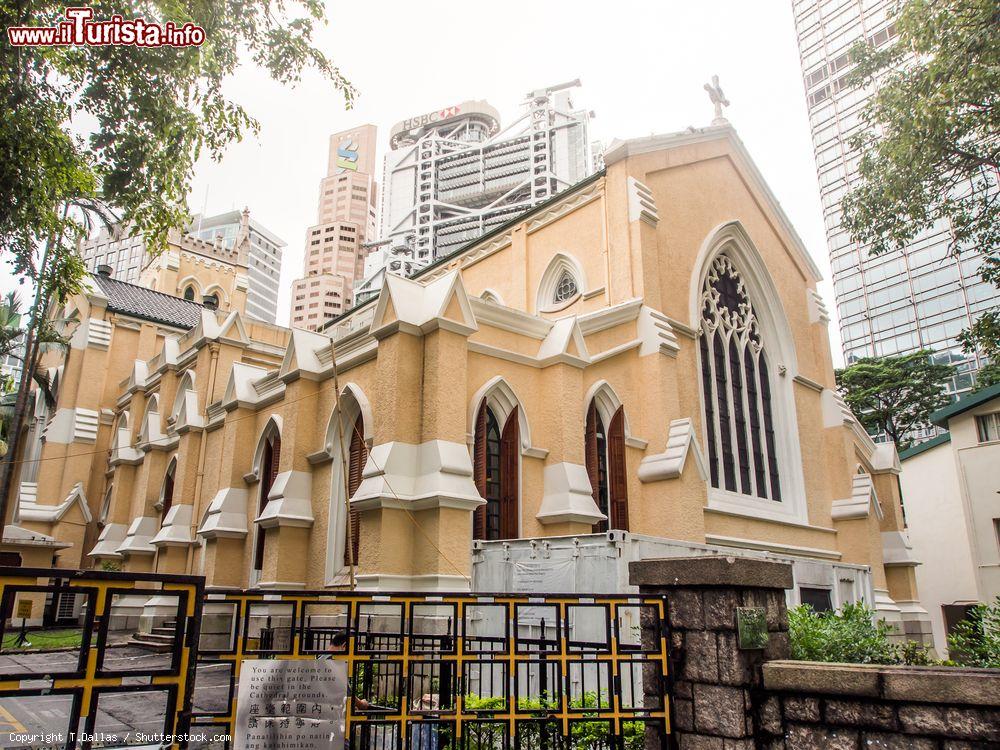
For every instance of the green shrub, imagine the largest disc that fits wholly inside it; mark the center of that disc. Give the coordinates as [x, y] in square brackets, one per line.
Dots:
[850, 635]
[586, 735]
[976, 640]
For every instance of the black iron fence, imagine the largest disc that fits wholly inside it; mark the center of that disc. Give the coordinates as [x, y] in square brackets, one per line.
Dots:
[137, 656]
[449, 671]
[67, 678]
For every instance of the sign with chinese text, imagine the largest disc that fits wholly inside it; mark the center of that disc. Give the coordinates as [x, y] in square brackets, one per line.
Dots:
[285, 703]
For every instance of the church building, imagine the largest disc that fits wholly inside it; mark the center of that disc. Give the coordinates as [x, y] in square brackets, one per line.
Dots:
[646, 353]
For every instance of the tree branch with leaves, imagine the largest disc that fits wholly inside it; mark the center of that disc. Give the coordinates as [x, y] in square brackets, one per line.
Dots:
[929, 148]
[150, 114]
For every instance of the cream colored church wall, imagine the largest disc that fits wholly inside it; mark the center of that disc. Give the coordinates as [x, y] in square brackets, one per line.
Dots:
[680, 179]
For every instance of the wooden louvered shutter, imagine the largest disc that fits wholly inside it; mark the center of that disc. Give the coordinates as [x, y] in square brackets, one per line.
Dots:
[617, 481]
[355, 468]
[275, 460]
[479, 472]
[510, 452]
[590, 454]
[168, 493]
[269, 472]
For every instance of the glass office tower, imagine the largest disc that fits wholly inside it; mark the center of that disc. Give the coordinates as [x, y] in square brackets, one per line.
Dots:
[921, 297]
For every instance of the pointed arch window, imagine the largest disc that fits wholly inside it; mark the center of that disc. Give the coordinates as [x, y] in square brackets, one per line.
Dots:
[357, 458]
[270, 458]
[736, 384]
[167, 497]
[604, 452]
[496, 473]
[189, 293]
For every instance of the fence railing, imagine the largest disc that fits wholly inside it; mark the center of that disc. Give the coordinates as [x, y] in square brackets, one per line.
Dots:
[102, 659]
[66, 677]
[449, 671]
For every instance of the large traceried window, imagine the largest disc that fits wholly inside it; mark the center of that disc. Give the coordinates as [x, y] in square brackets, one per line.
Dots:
[737, 389]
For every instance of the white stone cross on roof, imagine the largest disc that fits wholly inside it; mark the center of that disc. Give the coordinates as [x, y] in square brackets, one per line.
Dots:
[718, 99]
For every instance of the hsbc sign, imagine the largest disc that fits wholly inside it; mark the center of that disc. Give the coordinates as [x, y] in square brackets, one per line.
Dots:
[421, 120]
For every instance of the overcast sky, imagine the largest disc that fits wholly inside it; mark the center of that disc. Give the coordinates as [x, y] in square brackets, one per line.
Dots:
[642, 66]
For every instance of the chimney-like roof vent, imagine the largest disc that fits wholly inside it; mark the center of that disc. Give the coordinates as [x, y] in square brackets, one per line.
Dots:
[210, 301]
[105, 270]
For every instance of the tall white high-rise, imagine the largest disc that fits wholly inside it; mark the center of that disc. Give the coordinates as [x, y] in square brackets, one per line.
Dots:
[454, 174]
[921, 297]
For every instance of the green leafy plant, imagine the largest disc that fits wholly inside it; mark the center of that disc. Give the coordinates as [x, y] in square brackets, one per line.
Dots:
[976, 639]
[849, 635]
[586, 735]
[852, 635]
[102, 134]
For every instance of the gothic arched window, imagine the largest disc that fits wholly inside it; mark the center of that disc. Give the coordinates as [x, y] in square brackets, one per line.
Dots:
[604, 453]
[496, 473]
[167, 497]
[270, 458]
[356, 460]
[189, 293]
[737, 387]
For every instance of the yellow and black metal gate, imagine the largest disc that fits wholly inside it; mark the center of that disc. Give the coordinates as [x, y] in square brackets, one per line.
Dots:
[105, 659]
[476, 671]
[67, 677]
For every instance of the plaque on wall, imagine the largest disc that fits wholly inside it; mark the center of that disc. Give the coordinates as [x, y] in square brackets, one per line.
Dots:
[291, 703]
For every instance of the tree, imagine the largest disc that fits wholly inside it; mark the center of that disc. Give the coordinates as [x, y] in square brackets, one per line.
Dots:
[150, 112]
[895, 395]
[930, 146]
[975, 641]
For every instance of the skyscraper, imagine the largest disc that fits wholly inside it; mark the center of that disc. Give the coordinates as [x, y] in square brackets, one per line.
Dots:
[453, 174]
[263, 258]
[335, 252]
[921, 297]
[126, 253]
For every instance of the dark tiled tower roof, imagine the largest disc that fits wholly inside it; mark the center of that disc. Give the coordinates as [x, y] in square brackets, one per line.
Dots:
[148, 304]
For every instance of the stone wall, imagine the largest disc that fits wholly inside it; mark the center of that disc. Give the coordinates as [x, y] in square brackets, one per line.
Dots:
[724, 697]
[861, 706]
[711, 679]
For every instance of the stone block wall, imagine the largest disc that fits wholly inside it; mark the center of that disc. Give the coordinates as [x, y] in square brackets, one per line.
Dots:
[807, 705]
[723, 697]
[711, 679]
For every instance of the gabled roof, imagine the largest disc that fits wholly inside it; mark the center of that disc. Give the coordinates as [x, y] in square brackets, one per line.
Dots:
[148, 304]
[941, 416]
[497, 231]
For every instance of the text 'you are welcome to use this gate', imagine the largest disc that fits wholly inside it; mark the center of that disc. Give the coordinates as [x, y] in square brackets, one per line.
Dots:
[454, 671]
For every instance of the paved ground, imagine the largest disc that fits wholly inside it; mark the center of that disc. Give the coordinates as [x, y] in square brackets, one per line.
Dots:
[38, 721]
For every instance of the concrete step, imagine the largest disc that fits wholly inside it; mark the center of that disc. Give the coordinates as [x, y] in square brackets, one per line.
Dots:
[155, 642]
[168, 631]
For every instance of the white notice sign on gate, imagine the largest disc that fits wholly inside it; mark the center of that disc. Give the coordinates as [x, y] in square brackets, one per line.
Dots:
[291, 703]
